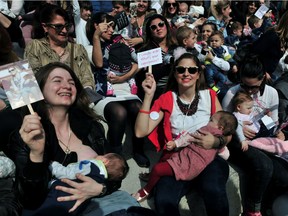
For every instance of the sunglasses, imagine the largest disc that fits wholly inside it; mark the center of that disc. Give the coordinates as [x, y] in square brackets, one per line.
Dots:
[250, 88]
[182, 70]
[59, 27]
[160, 25]
[172, 4]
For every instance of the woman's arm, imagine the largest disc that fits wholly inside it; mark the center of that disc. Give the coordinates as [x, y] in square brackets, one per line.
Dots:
[144, 124]
[120, 79]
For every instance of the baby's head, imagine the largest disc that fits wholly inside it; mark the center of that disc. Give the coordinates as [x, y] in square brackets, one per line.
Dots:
[186, 37]
[216, 39]
[183, 8]
[116, 165]
[242, 102]
[224, 121]
[254, 22]
[237, 28]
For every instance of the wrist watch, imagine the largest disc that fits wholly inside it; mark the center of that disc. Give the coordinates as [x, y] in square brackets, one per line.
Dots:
[104, 190]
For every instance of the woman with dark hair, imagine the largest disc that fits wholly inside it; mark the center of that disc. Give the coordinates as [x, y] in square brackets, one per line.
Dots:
[262, 169]
[170, 9]
[124, 106]
[186, 104]
[51, 45]
[64, 129]
[271, 46]
[158, 34]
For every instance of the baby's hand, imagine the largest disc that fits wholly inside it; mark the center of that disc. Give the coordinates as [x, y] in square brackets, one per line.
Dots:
[234, 69]
[170, 145]
[244, 145]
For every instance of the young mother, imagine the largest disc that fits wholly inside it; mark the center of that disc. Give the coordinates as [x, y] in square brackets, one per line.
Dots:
[124, 106]
[65, 130]
[185, 105]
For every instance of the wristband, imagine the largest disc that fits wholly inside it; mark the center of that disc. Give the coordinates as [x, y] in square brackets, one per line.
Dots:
[144, 111]
[104, 190]
[221, 142]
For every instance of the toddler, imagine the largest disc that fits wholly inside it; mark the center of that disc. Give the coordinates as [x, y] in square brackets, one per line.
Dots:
[258, 26]
[243, 105]
[182, 17]
[215, 77]
[111, 167]
[233, 39]
[189, 162]
[120, 57]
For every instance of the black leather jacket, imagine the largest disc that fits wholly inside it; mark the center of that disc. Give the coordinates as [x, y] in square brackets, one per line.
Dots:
[32, 178]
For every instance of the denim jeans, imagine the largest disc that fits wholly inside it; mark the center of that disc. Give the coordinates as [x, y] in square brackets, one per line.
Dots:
[258, 169]
[211, 184]
[214, 75]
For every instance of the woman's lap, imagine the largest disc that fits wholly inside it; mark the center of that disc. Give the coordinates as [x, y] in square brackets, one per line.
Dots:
[211, 183]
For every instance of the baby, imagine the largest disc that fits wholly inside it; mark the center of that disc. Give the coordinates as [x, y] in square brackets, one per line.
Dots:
[111, 167]
[243, 106]
[120, 57]
[189, 162]
[183, 17]
[213, 74]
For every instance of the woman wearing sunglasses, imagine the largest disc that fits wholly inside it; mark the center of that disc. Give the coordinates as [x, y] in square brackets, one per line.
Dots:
[51, 44]
[186, 104]
[157, 35]
[170, 9]
[262, 168]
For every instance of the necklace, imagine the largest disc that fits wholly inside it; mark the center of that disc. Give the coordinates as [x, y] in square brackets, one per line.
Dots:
[67, 149]
[188, 109]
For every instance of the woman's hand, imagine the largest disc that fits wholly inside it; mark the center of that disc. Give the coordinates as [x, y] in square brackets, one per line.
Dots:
[134, 41]
[280, 135]
[204, 139]
[149, 84]
[32, 133]
[80, 192]
[101, 27]
[2, 105]
[248, 133]
[209, 56]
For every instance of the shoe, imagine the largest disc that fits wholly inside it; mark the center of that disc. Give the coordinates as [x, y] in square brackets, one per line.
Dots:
[141, 195]
[110, 92]
[141, 160]
[144, 176]
[216, 89]
[253, 214]
[134, 89]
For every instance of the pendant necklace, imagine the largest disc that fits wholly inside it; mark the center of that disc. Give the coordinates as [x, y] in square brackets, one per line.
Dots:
[67, 149]
[188, 109]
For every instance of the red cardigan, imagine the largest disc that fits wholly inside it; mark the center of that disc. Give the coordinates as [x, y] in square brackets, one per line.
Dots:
[162, 133]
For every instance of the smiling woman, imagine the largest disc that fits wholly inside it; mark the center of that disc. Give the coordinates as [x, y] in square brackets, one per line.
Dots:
[51, 44]
[65, 129]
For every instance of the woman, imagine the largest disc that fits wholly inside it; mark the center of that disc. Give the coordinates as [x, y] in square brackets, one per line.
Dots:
[52, 45]
[124, 106]
[170, 9]
[157, 35]
[271, 46]
[63, 129]
[137, 23]
[262, 168]
[206, 31]
[174, 112]
[220, 15]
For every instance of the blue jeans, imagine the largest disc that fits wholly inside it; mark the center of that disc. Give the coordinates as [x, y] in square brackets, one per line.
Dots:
[214, 75]
[258, 169]
[211, 184]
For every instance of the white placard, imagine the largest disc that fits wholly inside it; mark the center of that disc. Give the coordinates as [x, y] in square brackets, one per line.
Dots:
[149, 57]
[268, 122]
[261, 11]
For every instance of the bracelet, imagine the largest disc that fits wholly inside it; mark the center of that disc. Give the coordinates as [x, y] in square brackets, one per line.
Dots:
[144, 111]
[104, 190]
[221, 142]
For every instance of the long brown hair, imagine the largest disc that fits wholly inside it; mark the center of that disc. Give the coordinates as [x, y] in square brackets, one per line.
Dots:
[82, 101]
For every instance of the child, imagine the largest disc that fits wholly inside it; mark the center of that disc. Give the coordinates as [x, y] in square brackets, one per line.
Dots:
[258, 26]
[215, 77]
[189, 162]
[121, 57]
[233, 39]
[110, 166]
[243, 104]
[183, 16]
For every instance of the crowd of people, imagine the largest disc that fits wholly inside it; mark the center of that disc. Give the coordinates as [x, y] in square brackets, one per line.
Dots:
[217, 97]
